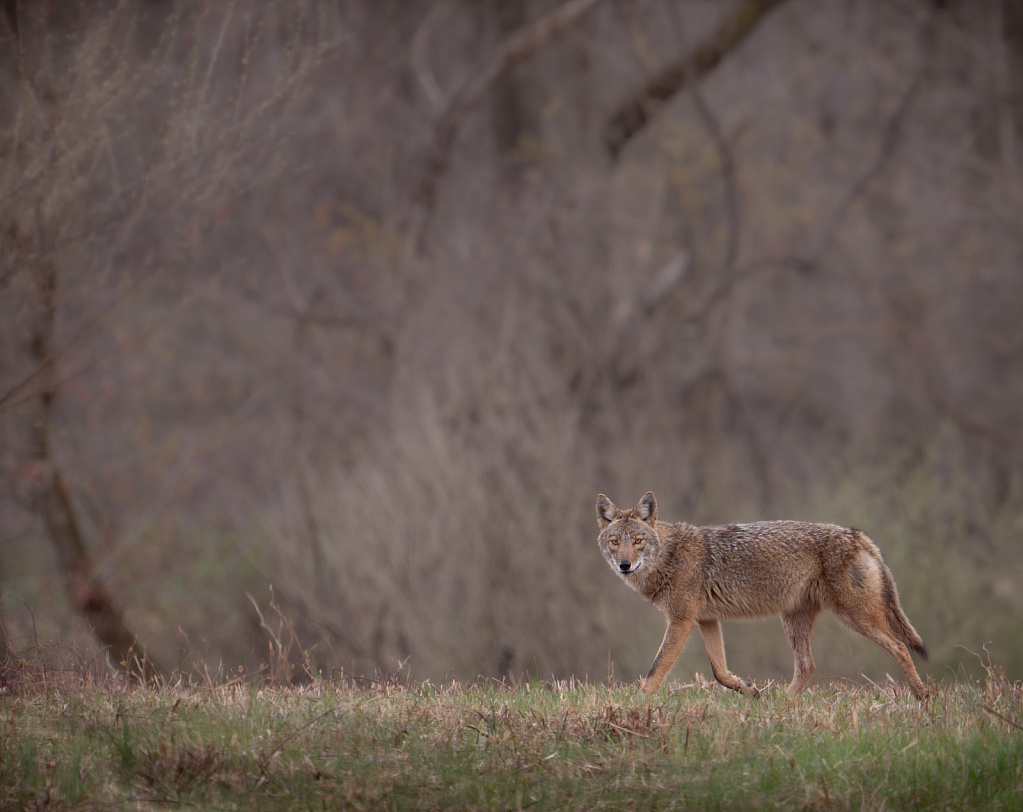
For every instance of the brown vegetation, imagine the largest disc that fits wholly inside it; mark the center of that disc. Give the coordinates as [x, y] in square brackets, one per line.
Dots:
[794, 294]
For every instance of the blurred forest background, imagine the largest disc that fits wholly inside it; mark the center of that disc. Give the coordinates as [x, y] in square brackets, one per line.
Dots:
[366, 300]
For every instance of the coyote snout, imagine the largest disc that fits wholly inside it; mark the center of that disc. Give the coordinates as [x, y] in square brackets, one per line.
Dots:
[703, 575]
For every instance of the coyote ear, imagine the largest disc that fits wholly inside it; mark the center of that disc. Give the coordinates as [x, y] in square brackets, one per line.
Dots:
[647, 508]
[606, 511]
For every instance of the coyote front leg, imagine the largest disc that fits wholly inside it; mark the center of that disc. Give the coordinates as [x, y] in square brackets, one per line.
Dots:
[671, 646]
[710, 631]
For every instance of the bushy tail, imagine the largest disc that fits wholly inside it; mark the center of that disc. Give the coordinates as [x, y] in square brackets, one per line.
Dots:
[898, 623]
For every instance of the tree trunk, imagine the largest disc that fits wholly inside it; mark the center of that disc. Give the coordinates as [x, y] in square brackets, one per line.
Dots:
[88, 594]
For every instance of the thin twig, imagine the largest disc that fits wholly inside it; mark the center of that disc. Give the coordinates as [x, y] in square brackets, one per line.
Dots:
[289, 737]
[1007, 721]
[209, 72]
[879, 688]
[626, 730]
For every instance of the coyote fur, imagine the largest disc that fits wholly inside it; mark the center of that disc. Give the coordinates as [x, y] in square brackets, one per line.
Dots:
[699, 576]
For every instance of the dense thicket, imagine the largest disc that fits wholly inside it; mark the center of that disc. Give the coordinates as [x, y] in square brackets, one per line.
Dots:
[238, 337]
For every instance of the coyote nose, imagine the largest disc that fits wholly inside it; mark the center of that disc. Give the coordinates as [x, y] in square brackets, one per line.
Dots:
[624, 566]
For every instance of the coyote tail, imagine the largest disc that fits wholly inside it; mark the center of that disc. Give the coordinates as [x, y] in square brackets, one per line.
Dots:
[898, 623]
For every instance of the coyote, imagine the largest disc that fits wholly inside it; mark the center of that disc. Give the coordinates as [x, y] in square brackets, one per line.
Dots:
[703, 575]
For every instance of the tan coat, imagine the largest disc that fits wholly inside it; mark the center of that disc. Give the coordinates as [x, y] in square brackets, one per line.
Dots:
[703, 575]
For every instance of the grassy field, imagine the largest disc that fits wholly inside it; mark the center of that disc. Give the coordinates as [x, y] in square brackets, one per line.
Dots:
[68, 743]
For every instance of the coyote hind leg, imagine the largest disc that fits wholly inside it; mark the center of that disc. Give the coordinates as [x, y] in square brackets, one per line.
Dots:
[874, 629]
[798, 627]
[710, 631]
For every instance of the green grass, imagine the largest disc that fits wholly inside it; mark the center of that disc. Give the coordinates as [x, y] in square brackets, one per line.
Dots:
[73, 744]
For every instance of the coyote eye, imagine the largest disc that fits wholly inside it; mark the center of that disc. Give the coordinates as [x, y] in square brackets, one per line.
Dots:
[612, 542]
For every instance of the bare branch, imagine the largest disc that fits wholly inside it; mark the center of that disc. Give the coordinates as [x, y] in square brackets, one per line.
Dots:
[733, 210]
[88, 593]
[520, 45]
[417, 58]
[10, 17]
[638, 110]
[885, 150]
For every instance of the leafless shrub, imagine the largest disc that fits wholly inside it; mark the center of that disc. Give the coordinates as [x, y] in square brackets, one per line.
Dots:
[254, 386]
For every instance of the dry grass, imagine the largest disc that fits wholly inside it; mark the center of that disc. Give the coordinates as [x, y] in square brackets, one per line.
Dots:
[73, 742]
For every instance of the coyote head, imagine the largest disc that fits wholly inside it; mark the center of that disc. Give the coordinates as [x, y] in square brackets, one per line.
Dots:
[628, 538]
